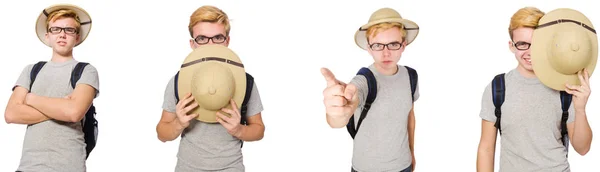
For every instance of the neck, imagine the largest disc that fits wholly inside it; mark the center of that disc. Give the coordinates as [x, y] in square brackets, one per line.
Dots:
[526, 73]
[56, 57]
[386, 72]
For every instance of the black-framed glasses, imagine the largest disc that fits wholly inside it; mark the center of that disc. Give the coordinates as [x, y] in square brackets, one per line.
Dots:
[390, 46]
[57, 30]
[521, 45]
[217, 39]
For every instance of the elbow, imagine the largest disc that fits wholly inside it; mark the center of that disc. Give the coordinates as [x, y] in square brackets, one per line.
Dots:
[74, 115]
[582, 150]
[9, 115]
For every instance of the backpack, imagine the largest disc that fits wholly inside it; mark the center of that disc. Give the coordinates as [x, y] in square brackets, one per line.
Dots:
[372, 94]
[498, 92]
[243, 109]
[89, 123]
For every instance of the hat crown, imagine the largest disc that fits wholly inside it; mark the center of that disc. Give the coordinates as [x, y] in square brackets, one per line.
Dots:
[213, 86]
[570, 49]
[385, 13]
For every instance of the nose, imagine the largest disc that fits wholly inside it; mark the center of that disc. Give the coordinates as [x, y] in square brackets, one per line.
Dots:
[386, 52]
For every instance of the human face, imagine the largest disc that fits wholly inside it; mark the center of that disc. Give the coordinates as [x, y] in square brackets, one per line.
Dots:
[520, 46]
[208, 33]
[386, 48]
[62, 36]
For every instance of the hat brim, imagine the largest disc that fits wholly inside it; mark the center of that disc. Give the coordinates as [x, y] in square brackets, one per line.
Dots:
[194, 61]
[412, 30]
[542, 44]
[84, 18]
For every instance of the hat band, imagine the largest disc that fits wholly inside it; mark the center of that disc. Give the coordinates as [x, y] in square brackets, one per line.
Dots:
[361, 29]
[81, 23]
[564, 21]
[213, 59]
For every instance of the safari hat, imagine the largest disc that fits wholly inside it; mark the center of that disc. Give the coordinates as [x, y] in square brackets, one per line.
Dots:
[384, 15]
[564, 43]
[214, 75]
[84, 18]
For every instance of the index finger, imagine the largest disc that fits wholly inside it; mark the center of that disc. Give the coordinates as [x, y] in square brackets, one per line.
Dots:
[329, 77]
[234, 106]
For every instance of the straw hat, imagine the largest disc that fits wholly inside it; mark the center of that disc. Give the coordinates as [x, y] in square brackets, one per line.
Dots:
[386, 15]
[564, 43]
[214, 75]
[85, 20]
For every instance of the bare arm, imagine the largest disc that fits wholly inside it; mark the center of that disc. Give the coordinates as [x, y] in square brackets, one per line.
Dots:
[255, 129]
[69, 110]
[411, 134]
[487, 147]
[580, 133]
[168, 127]
[18, 112]
[335, 120]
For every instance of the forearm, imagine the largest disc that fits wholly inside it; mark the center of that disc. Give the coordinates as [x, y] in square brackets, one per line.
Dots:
[582, 135]
[485, 160]
[168, 131]
[56, 108]
[411, 136]
[23, 114]
[252, 132]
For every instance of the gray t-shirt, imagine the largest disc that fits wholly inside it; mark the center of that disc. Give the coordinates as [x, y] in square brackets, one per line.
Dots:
[52, 145]
[531, 115]
[209, 147]
[381, 143]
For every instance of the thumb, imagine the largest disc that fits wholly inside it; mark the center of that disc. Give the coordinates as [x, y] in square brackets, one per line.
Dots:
[350, 91]
[329, 77]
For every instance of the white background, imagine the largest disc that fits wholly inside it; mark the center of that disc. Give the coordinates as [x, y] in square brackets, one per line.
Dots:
[137, 47]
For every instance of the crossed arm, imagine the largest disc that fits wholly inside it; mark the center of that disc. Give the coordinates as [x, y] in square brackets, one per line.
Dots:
[28, 108]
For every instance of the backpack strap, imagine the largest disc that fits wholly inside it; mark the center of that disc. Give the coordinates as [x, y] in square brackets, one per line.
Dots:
[371, 95]
[244, 109]
[175, 87]
[565, 101]
[34, 72]
[498, 90]
[414, 78]
[77, 72]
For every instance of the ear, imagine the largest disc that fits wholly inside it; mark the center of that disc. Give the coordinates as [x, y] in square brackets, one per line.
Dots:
[192, 44]
[511, 47]
[47, 37]
[227, 41]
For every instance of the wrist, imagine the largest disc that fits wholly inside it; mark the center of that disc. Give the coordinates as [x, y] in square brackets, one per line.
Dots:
[240, 131]
[178, 125]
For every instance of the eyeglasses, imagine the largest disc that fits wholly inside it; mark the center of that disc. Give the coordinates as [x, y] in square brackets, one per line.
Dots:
[521, 45]
[57, 30]
[390, 46]
[217, 39]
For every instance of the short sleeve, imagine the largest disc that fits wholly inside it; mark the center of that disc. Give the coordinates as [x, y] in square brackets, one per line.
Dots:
[487, 105]
[90, 77]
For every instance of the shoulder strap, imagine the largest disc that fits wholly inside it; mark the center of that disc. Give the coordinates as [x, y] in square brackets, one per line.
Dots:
[77, 72]
[565, 101]
[498, 90]
[244, 109]
[175, 87]
[371, 95]
[34, 72]
[414, 78]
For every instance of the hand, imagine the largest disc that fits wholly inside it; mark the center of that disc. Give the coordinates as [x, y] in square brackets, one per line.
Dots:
[582, 92]
[232, 124]
[28, 98]
[68, 97]
[340, 99]
[182, 109]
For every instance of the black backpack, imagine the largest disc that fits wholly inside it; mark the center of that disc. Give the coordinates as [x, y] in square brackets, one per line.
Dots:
[89, 123]
[243, 109]
[372, 94]
[498, 90]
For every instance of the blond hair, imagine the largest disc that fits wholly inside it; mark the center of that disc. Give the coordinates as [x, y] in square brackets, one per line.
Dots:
[63, 13]
[378, 28]
[210, 14]
[527, 17]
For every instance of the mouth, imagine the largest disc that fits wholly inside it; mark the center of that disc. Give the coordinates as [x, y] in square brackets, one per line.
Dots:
[62, 43]
[527, 60]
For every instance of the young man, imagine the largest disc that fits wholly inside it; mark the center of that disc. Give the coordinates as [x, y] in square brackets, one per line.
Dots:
[205, 146]
[531, 112]
[50, 107]
[391, 117]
